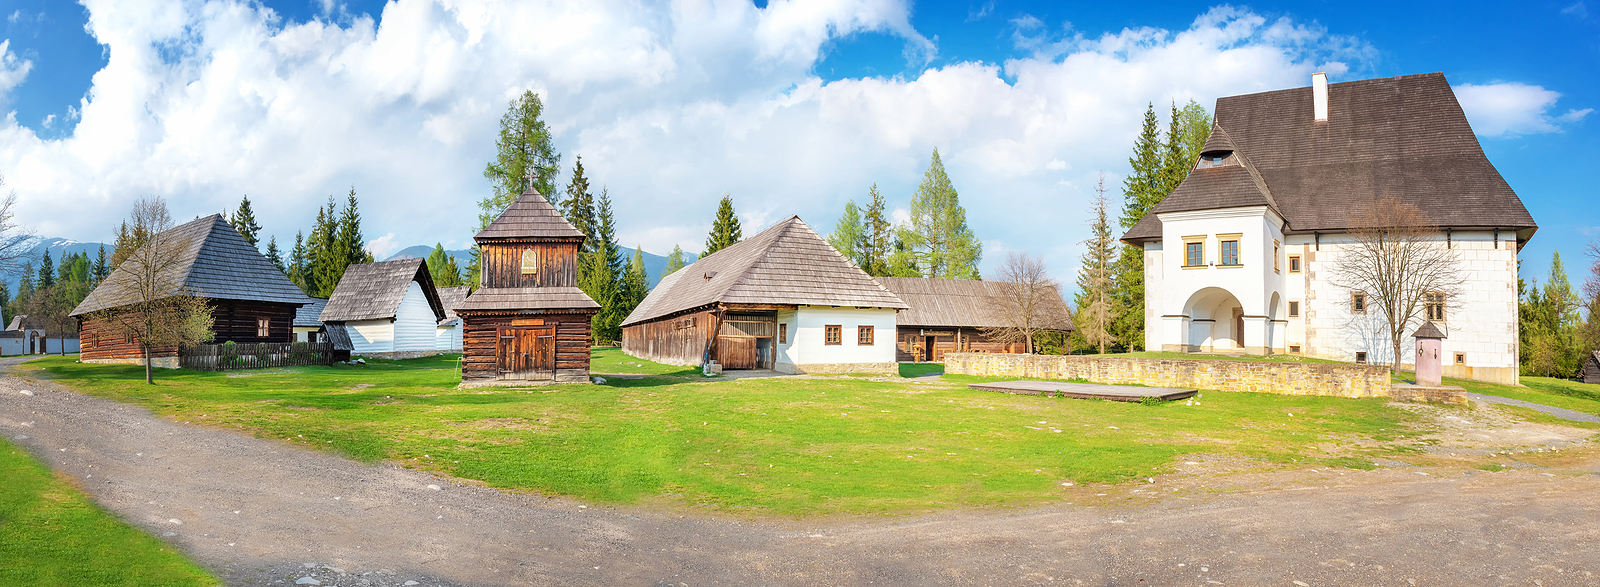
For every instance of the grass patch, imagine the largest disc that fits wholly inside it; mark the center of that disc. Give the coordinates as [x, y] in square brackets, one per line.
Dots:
[1558, 393]
[920, 369]
[51, 534]
[613, 360]
[1492, 467]
[793, 447]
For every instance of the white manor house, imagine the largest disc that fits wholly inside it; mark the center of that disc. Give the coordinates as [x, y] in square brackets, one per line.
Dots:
[1238, 257]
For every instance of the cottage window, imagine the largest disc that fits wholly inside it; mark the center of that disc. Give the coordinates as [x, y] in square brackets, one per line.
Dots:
[1433, 306]
[1294, 309]
[530, 261]
[1461, 358]
[1275, 256]
[783, 333]
[1194, 253]
[1358, 303]
[833, 334]
[1294, 263]
[1361, 357]
[864, 335]
[1230, 253]
[262, 327]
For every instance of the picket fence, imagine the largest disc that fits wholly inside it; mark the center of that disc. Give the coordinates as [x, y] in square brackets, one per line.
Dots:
[228, 357]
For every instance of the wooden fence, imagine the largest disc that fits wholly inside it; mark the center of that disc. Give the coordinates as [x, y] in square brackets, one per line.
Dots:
[227, 357]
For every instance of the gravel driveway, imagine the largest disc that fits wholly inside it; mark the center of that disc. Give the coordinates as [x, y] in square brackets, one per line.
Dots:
[259, 512]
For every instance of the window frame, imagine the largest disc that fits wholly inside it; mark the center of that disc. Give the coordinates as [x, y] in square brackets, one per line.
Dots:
[263, 327]
[1461, 358]
[865, 336]
[1361, 357]
[529, 254]
[1358, 302]
[1294, 263]
[832, 334]
[1277, 254]
[1294, 308]
[1429, 306]
[1222, 251]
[1200, 254]
[783, 333]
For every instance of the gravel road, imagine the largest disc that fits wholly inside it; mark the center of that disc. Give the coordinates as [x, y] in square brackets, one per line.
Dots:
[259, 512]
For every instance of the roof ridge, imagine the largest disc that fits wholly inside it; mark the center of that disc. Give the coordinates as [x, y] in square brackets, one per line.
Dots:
[1249, 167]
[777, 229]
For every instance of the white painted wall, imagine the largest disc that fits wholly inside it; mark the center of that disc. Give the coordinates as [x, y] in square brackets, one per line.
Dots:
[448, 338]
[303, 333]
[11, 346]
[1178, 299]
[415, 325]
[806, 340]
[371, 336]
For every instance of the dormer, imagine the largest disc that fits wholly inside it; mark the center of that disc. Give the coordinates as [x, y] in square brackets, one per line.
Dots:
[1216, 158]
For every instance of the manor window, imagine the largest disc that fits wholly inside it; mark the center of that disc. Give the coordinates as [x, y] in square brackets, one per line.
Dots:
[1361, 358]
[1461, 358]
[1294, 263]
[1230, 253]
[1358, 303]
[1275, 256]
[1194, 253]
[1433, 306]
[1294, 309]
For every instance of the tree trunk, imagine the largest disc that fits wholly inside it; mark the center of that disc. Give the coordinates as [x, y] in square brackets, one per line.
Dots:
[149, 377]
[1395, 368]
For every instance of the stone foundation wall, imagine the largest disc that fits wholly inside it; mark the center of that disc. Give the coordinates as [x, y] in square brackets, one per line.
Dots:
[813, 368]
[398, 355]
[157, 362]
[1252, 376]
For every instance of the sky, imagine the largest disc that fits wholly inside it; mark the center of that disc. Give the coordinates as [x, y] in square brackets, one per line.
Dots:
[790, 107]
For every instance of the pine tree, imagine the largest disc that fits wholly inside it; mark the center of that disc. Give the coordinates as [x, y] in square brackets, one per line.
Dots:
[937, 236]
[127, 241]
[605, 276]
[579, 205]
[1096, 301]
[442, 266]
[1145, 187]
[47, 272]
[102, 269]
[635, 284]
[326, 252]
[605, 233]
[878, 240]
[274, 255]
[725, 228]
[244, 220]
[674, 261]
[353, 242]
[523, 158]
[597, 280]
[849, 235]
[299, 266]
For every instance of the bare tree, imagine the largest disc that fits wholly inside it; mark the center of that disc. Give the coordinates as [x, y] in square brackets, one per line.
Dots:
[1097, 305]
[16, 241]
[1400, 262]
[1591, 301]
[1026, 300]
[151, 303]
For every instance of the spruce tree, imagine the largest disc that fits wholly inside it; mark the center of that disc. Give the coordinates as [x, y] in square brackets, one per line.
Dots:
[244, 220]
[523, 156]
[849, 235]
[578, 207]
[597, 280]
[938, 238]
[47, 272]
[350, 237]
[127, 241]
[5, 303]
[102, 269]
[1096, 301]
[725, 228]
[878, 240]
[1145, 186]
[442, 267]
[635, 284]
[326, 252]
[274, 255]
[24, 289]
[605, 233]
[674, 261]
[298, 264]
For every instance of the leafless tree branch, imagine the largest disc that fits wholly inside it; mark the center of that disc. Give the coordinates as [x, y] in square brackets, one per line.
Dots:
[1026, 300]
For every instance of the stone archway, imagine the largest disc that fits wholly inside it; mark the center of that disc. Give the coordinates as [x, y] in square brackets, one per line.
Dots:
[1214, 320]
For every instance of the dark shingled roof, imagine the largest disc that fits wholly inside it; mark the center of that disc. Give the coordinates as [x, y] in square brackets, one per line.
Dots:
[1428, 330]
[531, 216]
[371, 291]
[786, 264]
[215, 262]
[500, 299]
[308, 315]
[949, 302]
[340, 338]
[1401, 137]
[451, 298]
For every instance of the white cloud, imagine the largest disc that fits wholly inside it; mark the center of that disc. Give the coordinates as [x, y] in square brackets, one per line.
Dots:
[384, 246]
[13, 69]
[1510, 108]
[671, 105]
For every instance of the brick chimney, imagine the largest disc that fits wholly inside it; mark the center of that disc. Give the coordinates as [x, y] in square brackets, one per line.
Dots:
[1319, 95]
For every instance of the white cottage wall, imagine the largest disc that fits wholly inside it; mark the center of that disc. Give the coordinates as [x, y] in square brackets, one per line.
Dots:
[807, 350]
[371, 336]
[415, 325]
[448, 338]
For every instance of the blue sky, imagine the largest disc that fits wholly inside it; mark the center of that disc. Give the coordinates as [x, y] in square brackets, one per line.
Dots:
[792, 109]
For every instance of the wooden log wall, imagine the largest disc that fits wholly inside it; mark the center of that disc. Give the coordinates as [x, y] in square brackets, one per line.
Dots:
[234, 321]
[480, 337]
[502, 265]
[673, 341]
[908, 338]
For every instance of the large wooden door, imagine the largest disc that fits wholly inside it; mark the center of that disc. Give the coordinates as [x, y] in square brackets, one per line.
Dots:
[526, 353]
[737, 352]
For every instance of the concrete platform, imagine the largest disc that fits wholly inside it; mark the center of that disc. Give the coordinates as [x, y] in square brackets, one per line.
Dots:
[1121, 393]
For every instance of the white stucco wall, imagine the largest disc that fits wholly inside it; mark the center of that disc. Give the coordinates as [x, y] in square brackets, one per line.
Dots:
[415, 325]
[806, 339]
[1180, 299]
[371, 336]
[448, 338]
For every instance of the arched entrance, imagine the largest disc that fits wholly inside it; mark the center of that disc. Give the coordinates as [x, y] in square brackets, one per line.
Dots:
[1216, 320]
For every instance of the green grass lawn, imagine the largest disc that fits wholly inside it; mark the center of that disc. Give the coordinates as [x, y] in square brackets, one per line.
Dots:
[793, 447]
[920, 369]
[1560, 393]
[51, 534]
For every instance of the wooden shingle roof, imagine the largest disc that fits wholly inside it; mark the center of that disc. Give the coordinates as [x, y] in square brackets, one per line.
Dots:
[451, 298]
[373, 291]
[530, 217]
[501, 299]
[214, 262]
[310, 314]
[950, 302]
[1399, 137]
[786, 264]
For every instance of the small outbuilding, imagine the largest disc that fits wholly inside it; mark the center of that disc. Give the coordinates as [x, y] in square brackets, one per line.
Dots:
[447, 336]
[951, 315]
[527, 322]
[783, 299]
[388, 309]
[308, 321]
[1591, 368]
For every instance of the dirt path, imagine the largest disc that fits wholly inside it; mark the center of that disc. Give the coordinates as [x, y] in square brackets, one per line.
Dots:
[261, 513]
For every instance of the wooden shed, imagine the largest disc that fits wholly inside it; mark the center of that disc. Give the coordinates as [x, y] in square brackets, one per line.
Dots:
[950, 315]
[251, 300]
[528, 321]
[389, 309]
[783, 299]
[1591, 368]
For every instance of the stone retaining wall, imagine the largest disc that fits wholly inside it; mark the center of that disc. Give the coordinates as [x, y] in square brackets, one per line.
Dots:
[1253, 376]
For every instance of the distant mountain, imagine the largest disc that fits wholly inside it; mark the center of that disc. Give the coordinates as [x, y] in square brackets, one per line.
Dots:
[653, 264]
[58, 247]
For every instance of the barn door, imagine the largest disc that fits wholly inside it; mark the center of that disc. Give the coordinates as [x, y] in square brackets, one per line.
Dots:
[737, 352]
[526, 353]
[544, 350]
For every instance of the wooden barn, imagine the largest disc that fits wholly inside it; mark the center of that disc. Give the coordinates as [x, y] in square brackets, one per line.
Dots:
[447, 335]
[1591, 368]
[528, 321]
[783, 299]
[251, 300]
[389, 309]
[949, 315]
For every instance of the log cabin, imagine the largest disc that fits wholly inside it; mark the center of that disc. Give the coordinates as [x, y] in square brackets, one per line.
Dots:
[951, 315]
[389, 309]
[784, 300]
[251, 300]
[1590, 373]
[527, 322]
